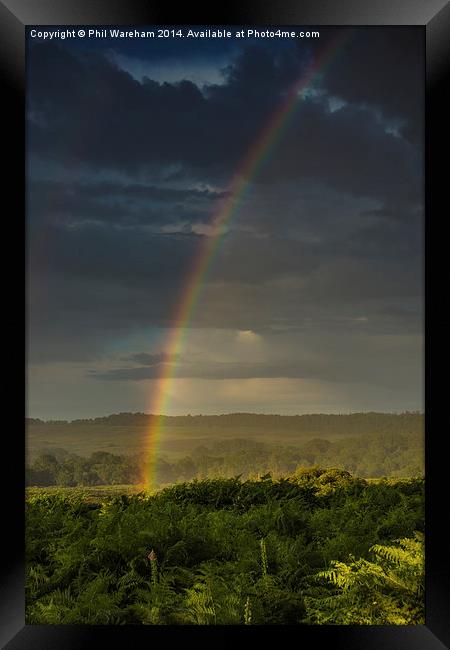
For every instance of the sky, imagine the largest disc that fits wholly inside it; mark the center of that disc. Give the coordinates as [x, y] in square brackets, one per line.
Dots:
[314, 300]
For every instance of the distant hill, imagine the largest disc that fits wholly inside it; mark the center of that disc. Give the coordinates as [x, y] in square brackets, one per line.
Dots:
[128, 433]
[318, 422]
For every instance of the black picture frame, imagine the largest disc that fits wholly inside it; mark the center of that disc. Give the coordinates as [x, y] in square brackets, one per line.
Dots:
[434, 17]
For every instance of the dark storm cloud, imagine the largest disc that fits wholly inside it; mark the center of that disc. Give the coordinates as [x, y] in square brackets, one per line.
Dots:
[329, 231]
[93, 112]
[248, 270]
[389, 239]
[151, 359]
[210, 370]
[80, 259]
[117, 204]
[349, 150]
[116, 255]
[96, 283]
[319, 366]
[384, 69]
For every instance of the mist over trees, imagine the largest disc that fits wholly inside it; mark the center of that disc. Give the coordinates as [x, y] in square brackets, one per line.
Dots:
[390, 455]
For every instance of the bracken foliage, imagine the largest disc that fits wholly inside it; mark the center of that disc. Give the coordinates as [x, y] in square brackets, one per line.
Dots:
[319, 547]
[385, 591]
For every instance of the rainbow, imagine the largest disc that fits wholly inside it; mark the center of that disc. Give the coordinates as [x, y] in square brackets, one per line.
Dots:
[246, 172]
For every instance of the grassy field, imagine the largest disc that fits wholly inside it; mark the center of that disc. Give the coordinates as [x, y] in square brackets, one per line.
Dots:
[133, 439]
[90, 494]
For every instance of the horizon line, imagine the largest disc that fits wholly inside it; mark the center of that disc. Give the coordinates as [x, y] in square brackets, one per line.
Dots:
[206, 415]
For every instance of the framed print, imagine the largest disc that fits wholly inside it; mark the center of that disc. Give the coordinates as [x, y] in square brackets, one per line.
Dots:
[227, 236]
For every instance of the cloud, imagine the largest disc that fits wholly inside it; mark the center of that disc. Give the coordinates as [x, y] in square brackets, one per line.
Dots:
[214, 371]
[126, 175]
[94, 286]
[118, 205]
[312, 359]
[96, 114]
[384, 69]
[150, 360]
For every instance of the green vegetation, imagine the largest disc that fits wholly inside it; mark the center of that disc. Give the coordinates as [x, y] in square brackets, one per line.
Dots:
[127, 433]
[383, 454]
[94, 494]
[387, 591]
[318, 547]
[244, 531]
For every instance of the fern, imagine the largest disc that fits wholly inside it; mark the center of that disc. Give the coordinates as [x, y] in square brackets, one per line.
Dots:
[200, 605]
[386, 591]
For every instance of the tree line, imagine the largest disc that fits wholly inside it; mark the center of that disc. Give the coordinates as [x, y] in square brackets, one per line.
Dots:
[388, 455]
[311, 424]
